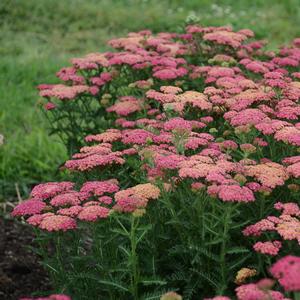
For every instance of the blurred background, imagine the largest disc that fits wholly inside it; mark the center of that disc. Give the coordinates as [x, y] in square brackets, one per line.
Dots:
[38, 37]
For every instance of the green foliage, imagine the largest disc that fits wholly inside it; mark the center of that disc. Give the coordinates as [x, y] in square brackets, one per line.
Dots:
[187, 241]
[38, 37]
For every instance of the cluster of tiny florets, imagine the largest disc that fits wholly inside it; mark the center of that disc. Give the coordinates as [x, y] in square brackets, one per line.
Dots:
[61, 210]
[209, 110]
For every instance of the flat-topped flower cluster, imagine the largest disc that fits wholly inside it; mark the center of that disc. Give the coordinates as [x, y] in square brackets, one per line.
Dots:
[205, 122]
[55, 206]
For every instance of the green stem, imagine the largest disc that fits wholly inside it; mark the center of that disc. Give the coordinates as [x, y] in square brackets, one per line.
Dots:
[297, 295]
[261, 213]
[58, 252]
[262, 207]
[42, 244]
[174, 215]
[134, 258]
[224, 279]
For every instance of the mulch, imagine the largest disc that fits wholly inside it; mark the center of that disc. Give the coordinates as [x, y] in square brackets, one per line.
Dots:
[21, 274]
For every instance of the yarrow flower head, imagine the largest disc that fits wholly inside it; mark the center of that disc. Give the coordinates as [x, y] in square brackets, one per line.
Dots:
[136, 197]
[171, 296]
[269, 248]
[57, 223]
[29, 207]
[287, 270]
[287, 226]
[226, 37]
[64, 92]
[253, 291]
[99, 188]
[243, 274]
[93, 212]
[235, 193]
[50, 189]
[269, 174]
[126, 106]
[62, 210]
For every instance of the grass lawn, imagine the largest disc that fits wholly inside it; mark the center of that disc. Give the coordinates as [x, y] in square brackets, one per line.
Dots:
[37, 37]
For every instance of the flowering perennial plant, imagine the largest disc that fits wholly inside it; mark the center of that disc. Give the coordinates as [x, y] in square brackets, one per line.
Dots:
[286, 270]
[184, 169]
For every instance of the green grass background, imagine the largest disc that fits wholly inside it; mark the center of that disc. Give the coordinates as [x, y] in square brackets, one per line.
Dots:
[37, 37]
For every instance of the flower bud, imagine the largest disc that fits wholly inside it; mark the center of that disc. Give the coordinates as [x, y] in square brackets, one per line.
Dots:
[139, 212]
[293, 187]
[171, 296]
[248, 148]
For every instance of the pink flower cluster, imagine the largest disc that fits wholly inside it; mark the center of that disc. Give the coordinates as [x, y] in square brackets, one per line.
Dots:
[208, 109]
[62, 92]
[286, 271]
[95, 156]
[126, 106]
[57, 206]
[166, 144]
[287, 226]
[258, 291]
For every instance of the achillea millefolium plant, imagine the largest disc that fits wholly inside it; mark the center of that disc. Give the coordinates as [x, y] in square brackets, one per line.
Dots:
[184, 175]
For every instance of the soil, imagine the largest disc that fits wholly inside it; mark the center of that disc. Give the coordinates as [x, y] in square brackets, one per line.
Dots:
[20, 271]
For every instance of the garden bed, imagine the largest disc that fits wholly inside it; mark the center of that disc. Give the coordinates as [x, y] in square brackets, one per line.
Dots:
[20, 271]
[184, 170]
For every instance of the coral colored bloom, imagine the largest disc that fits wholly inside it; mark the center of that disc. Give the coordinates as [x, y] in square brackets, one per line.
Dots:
[126, 107]
[50, 189]
[110, 135]
[147, 190]
[93, 213]
[177, 124]
[64, 92]
[253, 292]
[243, 274]
[235, 193]
[291, 209]
[36, 220]
[93, 161]
[248, 117]
[49, 106]
[287, 271]
[29, 207]
[69, 198]
[57, 223]
[135, 197]
[71, 211]
[269, 248]
[136, 136]
[171, 296]
[98, 188]
[259, 227]
[269, 174]
[223, 37]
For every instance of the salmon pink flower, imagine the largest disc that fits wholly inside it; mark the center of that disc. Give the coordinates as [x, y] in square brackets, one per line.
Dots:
[269, 248]
[57, 223]
[93, 213]
[50, 189]
[235, 193]
[29, 207]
